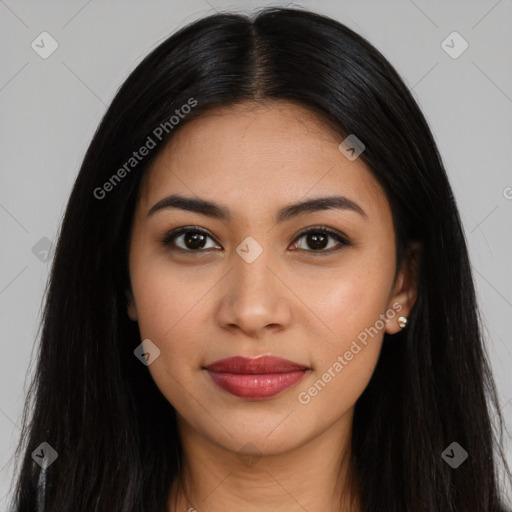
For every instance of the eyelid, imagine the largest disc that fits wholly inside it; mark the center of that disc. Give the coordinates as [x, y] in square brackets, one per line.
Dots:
[340, 237]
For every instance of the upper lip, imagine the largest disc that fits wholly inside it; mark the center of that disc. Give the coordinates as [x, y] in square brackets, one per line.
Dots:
[256, 365]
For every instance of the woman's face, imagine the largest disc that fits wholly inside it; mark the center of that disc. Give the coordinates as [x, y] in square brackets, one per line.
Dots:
[244, 280]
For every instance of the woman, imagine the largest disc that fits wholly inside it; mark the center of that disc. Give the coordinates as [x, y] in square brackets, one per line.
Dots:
[261, 297]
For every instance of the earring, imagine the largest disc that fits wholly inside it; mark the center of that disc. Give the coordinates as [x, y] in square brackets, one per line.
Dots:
[402, 321]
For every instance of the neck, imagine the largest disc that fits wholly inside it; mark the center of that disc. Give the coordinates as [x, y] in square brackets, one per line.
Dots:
[312, 477]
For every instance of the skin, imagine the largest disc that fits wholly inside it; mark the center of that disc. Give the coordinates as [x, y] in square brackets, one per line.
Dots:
[276, 454]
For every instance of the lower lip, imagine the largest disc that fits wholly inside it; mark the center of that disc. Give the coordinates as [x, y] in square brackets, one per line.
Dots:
[256, 385]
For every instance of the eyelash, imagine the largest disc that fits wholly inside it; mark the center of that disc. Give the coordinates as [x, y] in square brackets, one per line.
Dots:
[172, 235]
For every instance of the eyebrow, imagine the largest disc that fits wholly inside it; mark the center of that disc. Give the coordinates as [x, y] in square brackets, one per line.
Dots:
[221, 212]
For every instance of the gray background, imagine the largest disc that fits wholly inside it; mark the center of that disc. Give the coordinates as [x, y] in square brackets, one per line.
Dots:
[51, 107]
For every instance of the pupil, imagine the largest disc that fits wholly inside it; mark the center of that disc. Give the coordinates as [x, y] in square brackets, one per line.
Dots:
[317, 241]
[197, 240]
[194, 240]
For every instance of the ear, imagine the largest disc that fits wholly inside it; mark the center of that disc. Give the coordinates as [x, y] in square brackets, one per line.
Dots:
[405, 290]
[130, 305]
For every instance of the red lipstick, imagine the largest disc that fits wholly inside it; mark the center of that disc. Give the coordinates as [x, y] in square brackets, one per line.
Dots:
[260, 377]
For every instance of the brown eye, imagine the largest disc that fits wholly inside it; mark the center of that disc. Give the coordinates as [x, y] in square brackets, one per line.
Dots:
[188, 239]
[317, 239]
[321, 240]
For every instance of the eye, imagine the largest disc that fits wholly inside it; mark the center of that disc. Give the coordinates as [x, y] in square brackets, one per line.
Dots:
[188, 239]
[318, 240]
[194, 239]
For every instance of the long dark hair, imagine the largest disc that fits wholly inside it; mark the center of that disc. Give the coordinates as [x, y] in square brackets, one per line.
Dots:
[97, 406]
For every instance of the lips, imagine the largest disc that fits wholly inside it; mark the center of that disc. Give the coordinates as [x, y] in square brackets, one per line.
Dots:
[255, 378]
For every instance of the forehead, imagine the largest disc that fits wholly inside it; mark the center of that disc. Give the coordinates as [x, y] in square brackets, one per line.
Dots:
[260, 153]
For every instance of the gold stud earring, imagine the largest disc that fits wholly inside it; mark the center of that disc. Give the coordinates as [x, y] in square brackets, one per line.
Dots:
[402, 321]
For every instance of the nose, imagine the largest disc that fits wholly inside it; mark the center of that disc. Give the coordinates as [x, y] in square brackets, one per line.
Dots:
[255, 298]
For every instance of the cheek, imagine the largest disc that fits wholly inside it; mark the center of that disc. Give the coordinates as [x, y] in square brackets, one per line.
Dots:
[352, 304]
[353, 298]
[353, 313]
[166, 317]
[165, 295]
[344, 361]
[170, 312]
[166, 309]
